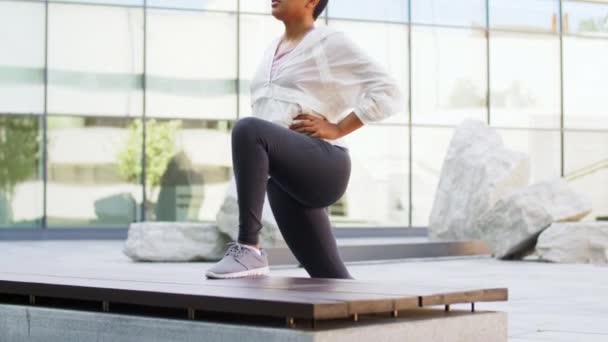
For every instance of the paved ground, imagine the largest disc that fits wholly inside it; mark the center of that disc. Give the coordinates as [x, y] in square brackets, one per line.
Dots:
[548, 302]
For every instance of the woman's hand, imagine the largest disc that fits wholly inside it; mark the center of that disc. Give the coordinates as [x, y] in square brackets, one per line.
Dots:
[316, 127]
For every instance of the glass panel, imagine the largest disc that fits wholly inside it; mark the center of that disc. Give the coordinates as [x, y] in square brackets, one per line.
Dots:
[525, 80]
[257, 32]
[586, 164]
[265, 6]
[471, 13]
[585, 75]
[22, 57]
[220, 5]
[528, 15]
[95, 60]
[106, 2]
[387, 45]
[383, 10]
[543, 148]
[586, 18]
[21, 154]
[189, 167]
[448, 75]
[193, 76]
[429, 147]
[94, 167]
[377, 193]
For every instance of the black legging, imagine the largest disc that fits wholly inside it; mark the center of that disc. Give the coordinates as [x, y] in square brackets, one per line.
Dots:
[306, 176]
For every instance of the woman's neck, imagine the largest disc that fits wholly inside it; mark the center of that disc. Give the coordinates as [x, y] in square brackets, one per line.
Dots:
[297, 29]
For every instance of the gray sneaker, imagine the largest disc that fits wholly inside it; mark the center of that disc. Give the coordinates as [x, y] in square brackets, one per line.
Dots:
[239, 261]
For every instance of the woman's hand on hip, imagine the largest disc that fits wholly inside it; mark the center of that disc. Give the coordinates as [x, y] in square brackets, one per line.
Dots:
[316, 127]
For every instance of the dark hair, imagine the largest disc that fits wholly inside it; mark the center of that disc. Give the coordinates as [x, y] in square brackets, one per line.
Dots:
[320, 7]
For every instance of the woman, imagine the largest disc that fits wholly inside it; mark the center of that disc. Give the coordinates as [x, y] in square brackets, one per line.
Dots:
[292, 146]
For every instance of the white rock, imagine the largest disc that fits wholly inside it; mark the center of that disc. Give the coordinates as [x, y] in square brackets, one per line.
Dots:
[228, 220]
[574, 242]
[174, 241]
[512, 226]
[476, 172]
[561, 201]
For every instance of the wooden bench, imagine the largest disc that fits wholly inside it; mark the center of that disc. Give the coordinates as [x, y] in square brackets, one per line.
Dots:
[288, 299]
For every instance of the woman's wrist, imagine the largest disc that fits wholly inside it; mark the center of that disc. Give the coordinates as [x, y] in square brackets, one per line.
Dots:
[350, 123]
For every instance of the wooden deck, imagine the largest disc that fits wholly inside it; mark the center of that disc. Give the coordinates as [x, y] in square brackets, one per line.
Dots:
[285, 298]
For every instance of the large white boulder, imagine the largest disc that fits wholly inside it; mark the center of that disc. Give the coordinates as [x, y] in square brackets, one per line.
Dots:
[174, 241]
[476, 172]
[228, 220]
[574, 242]
[512, 225]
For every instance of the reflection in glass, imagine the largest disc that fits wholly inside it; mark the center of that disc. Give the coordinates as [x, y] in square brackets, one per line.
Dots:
[586, 18]
[189, 167]
[381, 10]
[585, 75]
[387, 45]
[256, 6]
[95, 60]
[448, 75]
[218, 5]
[256, 33]
[468, 13]
[525, 80]
[106, 2]
[193, 76]
[22, 57]
[525, 15]
[378, 190]
[543, 148]
[586, 168]
[265, 6]
[429, 147]
[21, 151]
[85, 184]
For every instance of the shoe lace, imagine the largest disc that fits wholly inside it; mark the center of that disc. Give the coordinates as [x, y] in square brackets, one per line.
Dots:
[235, 249]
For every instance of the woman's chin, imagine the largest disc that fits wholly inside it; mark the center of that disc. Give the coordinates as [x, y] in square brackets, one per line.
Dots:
[277, 14]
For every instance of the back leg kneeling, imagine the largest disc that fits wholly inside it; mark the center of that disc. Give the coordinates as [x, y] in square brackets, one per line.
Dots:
[307, 232]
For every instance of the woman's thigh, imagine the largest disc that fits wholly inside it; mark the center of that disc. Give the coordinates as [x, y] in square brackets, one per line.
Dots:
[313, 171]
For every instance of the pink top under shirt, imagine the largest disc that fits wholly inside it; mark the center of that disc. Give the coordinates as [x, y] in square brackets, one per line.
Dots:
[278, 59]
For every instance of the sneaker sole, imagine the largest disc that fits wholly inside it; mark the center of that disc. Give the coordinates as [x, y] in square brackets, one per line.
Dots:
[253, 272]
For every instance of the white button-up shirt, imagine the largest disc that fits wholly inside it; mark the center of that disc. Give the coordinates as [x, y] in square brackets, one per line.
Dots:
[327, 75]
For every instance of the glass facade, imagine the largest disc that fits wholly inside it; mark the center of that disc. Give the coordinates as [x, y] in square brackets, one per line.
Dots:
[115, 111]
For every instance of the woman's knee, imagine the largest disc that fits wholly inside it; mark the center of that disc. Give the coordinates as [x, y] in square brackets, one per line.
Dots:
[246, 128]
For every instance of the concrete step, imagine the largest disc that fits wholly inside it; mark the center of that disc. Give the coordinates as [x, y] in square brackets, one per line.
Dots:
[30, 323]
[388, 248]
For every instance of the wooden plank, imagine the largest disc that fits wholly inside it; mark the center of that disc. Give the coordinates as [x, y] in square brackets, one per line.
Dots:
[466, 296]
[244, 301]
[428, 296]
[400, 299]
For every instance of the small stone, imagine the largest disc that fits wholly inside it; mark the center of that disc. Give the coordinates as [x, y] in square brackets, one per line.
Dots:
[174, 241]
[574, 242]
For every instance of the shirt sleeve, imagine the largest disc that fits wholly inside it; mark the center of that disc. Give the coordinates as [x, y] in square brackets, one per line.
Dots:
[366, 86]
